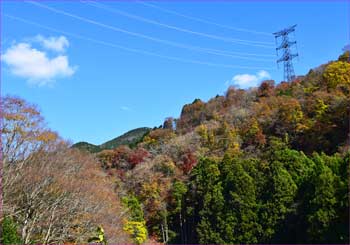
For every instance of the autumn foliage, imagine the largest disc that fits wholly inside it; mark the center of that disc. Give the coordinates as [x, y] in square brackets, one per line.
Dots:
[52, 193]
[250, 166]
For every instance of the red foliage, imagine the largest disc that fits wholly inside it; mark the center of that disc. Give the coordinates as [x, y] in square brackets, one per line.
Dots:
[122, 157]
[138, 156]
[266, 88]
[189, 160]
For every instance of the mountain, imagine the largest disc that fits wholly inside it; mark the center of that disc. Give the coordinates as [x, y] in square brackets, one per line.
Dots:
[87, 147]
[130, 138]
[250, 166]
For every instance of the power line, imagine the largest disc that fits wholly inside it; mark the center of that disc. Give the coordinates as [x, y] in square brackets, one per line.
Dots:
[175, 44]
[204, 21]
[196, 48]
[239, 53]
[117, 29]
[127, 48]
[146, 20]
[216, 51]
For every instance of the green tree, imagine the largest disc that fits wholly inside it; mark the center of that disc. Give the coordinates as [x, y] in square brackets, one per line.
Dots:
[240, 218]
[9, 232]
[276, 200]
[322, 201]
[209, 201]
[135, 209]
[179, 189]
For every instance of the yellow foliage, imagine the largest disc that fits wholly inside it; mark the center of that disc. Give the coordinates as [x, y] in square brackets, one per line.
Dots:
[137, 230]
[47, 136]
[100, 237]
[337, 73]
[233, 149]
[321, 108]
[14, 117]
[211, 138]
[202, 130]
[291, 112]
[150, 190]
[254, 128]
[149, 141]
[207, 136]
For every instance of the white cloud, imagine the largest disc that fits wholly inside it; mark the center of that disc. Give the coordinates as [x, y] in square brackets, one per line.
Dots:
[250, 80]
[34, 65]
[263, 75]
[58, 44]
[125, 108]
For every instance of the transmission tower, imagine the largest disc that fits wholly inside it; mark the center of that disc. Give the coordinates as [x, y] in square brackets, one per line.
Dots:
[287, 56]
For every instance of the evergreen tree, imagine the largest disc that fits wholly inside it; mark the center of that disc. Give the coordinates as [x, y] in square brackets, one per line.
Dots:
[9, 232]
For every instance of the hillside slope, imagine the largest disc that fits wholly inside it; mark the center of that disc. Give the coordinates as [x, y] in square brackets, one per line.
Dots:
[130, 138]
[251, 166]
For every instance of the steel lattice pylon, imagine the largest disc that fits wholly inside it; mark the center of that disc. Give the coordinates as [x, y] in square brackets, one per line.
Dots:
[287, 56]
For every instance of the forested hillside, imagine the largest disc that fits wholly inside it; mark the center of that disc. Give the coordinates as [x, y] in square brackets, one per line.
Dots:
[264, 165]
[131, 138]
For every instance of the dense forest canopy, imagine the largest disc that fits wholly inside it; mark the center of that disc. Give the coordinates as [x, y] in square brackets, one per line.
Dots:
[263, 165]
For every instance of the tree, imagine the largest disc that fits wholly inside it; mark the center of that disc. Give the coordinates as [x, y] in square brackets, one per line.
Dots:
[209, 200]
[240, 223]
[322, 201]
[266, 88]
[100, 236]
[345, 57]
[337, 74]
[135, 226]
[191, 115]
[189, 161]
[137, 156]
[253, 133]
[137, 230]
[279, 204]
[134, 206]
[168, 123]
[177, 208]
[54, 193]
[9, 231]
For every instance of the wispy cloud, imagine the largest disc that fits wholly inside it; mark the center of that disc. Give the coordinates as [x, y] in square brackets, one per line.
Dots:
[125, 108]
[250, 80]
[35, 65]
[58, 44]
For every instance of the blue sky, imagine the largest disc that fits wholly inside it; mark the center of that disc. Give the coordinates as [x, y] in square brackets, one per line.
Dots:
[97, 70]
